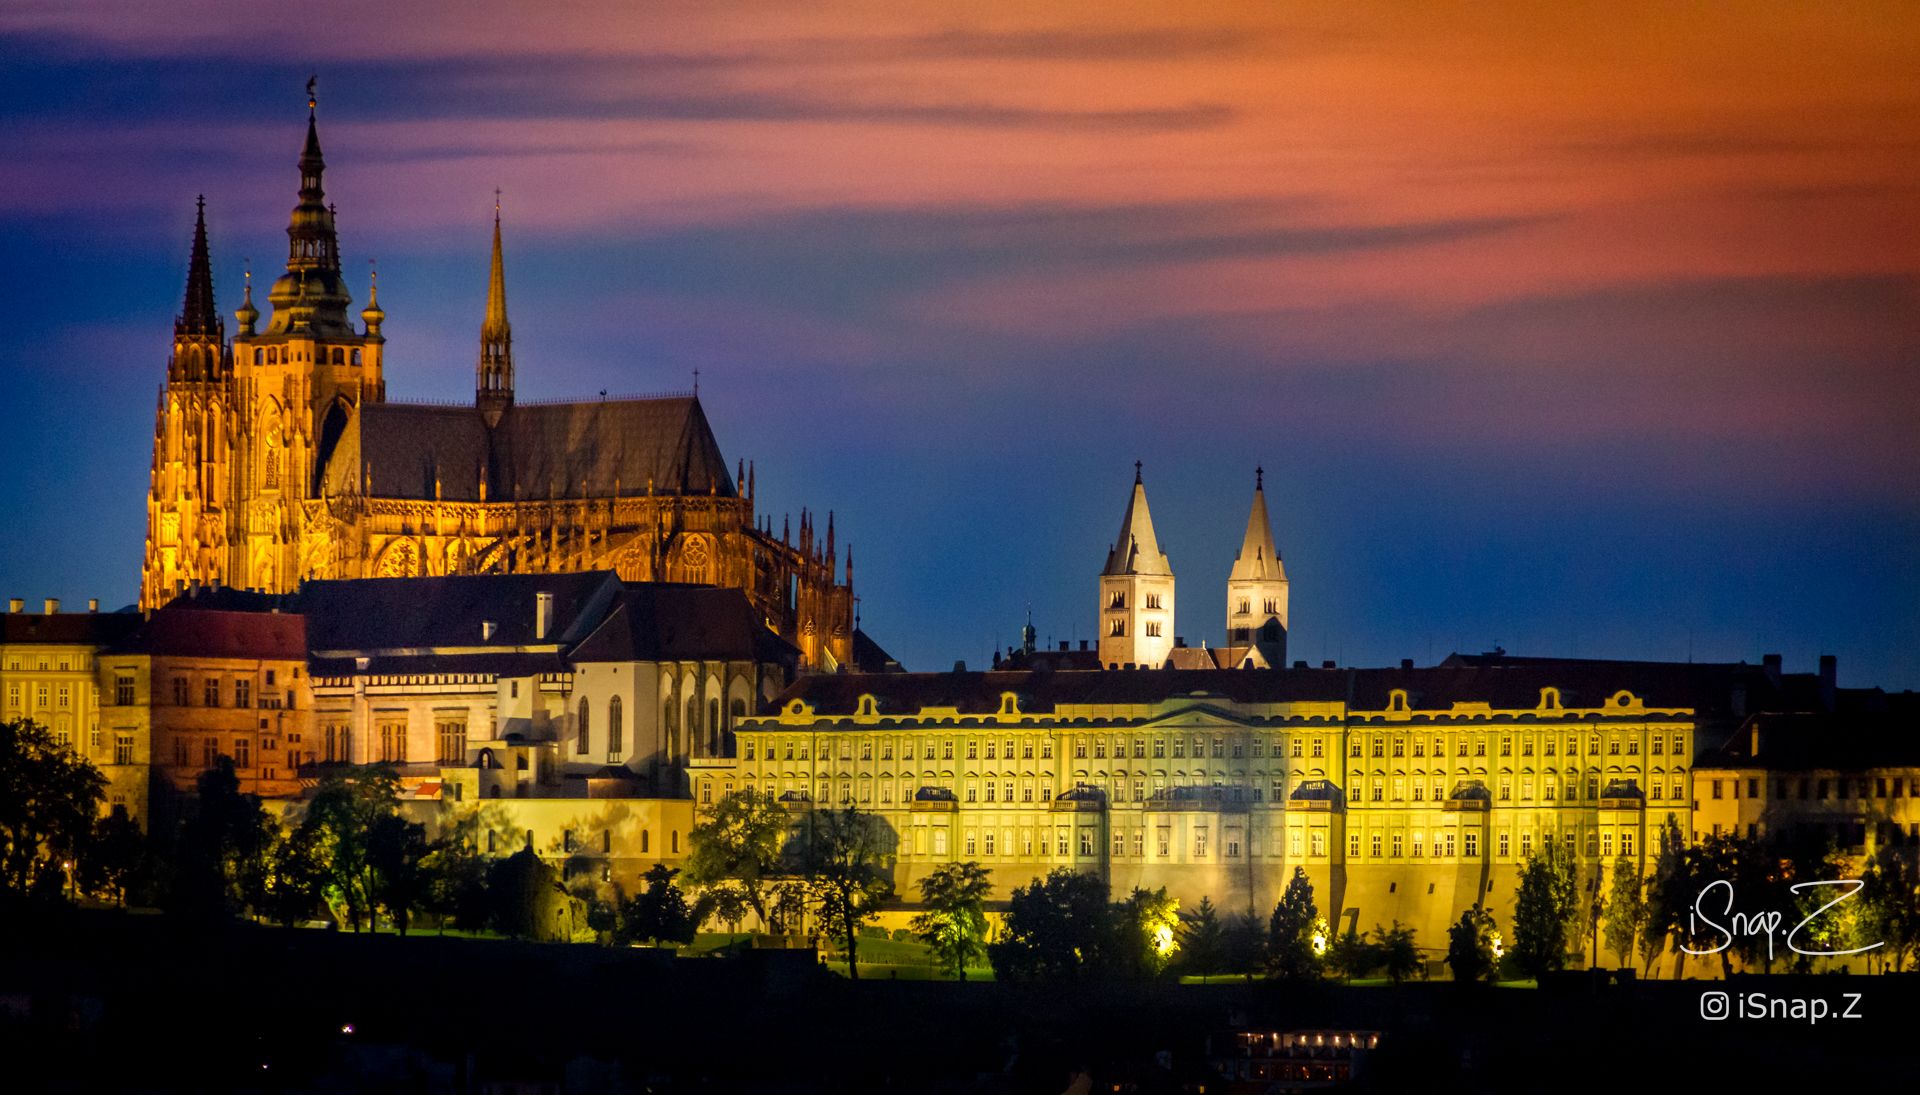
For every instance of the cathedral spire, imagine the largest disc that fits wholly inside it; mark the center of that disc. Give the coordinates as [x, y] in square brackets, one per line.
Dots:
[1137, 551]
[198, 316]
[1258, 558]
[311, 296]
[493, 387]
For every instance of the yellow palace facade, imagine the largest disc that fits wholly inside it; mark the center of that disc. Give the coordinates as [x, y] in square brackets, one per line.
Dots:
[1406, 794]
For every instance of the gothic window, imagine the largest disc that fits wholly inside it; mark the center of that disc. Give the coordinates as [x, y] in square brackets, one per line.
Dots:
[1119, 629]
[1153, 630]
[1153, 600]
[1246, 606]
[614, 743]
[583, 736]
[1119, 599]
[1273, 607]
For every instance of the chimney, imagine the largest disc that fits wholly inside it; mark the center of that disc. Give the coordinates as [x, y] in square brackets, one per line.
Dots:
[1179, 640]
[1829, 681]
[1328, 664]
[1771, 664]
[16, 604]
[93, 604]
[1299, 665]
[1063, 646]
[487, 628]
[1406, 663]
[1083, 644]
[53, 605]
[542, 614]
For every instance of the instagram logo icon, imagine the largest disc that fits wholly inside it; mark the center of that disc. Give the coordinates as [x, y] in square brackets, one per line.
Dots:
[1713, 1006]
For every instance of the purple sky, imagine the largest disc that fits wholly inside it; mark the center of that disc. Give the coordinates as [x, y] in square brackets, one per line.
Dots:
[1590, 330]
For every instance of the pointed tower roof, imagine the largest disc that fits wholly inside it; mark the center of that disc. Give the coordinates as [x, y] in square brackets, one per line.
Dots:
[1258, 559]
[197, 314]
[311, 296]
[1137, 550]
[495, 325]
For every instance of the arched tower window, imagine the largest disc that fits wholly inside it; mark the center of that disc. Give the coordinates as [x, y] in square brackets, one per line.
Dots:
[583, 737]
[613, 729]
[693, 719]
[271, 477]
[713, 728]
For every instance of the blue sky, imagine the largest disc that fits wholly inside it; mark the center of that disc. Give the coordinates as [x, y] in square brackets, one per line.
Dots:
[1585, 332]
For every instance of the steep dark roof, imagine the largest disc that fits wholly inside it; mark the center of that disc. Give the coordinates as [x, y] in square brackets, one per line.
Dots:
[91, 628]
[393, 614]
[1798, 741]
[658, 621]
[590, 448]
[1428, 689]
[869, 657]
[192, 632]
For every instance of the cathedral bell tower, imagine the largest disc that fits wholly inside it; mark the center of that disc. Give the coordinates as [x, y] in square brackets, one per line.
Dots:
[1257, 591]
[1136, 592]
[192, 445]
[296, 385]
[493, 377]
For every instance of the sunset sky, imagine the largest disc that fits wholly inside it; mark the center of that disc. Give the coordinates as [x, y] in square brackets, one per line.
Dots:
[1588, 329]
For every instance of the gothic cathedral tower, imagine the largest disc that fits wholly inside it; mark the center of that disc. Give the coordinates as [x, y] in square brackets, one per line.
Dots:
[493, 377]
[1257, 591]
[189, 500]
[1136, 592]
[295, 387]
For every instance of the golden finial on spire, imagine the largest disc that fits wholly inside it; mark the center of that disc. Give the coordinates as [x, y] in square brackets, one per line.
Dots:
[313, 100]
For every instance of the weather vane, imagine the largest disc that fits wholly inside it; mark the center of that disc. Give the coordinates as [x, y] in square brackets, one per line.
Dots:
[313, 100]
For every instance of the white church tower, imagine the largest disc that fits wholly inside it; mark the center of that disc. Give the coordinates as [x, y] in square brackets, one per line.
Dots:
[1257, 592]
[1136, 591]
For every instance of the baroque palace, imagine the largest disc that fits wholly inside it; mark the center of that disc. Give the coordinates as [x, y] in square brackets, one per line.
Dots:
[277, 458]
[566, 622]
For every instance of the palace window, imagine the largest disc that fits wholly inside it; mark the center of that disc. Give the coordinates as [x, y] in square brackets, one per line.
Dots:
[1139, 844]
[1626, 842]
[209, 751]
[1526, 747]
[1118, 628]
[1246, 606]
[211, 693]
[1606, 845]
[1374, 846]
[583, 736]
[1086, 841]
[1139, 749]
[123, 749]
[1319, 747]
[1293, 842]
[1046, 748]
[1353, 845]
[1295, 751]
[181, 692]
[1503, 845]
[123, 690]
[180, 756]
[242, 753]
[393, 742]
[1418, 839]
[1379, 748]
[946, 749]
[1119, 599]
[243, 692]
[973, 750]
[988, 845]
[1318, 843]
[1163, 841]
[1153, 629]
[1153, 601]
[451, 734]
[1506, 747]
[1200, 842]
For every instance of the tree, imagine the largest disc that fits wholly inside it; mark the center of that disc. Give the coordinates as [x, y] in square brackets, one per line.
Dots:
[1056, 928]
[525, 895]
[1396, 951]
[116, 860]
[396, 854]
[456, 871]
[1470, 950]
[1352, 955]
[342, 816]
[846, 858]
[1243, 945]
[954, 924]
[1890, 905]
[1145, 924]
[220, 863]
[1547, 899]
[1290, 950]
[49, 797]
[1667, 896]
[1626, 909]
[739, 841]
[1202, 940]
[296, 877]
[659, 913]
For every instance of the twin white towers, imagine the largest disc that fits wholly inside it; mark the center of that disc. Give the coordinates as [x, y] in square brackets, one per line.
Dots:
[1136, 595]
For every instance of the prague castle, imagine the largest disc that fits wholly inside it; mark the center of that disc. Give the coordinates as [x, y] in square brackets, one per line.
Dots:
[572, 614]
[277, 458]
